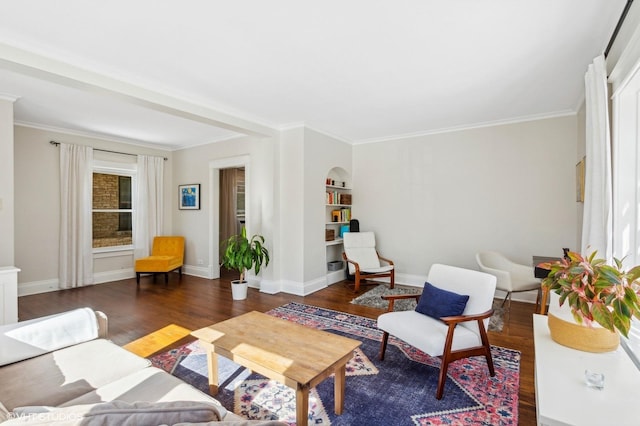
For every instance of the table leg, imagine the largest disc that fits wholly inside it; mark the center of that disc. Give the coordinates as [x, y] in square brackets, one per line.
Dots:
[302, 405]
[338, 391]
[212, 363]
[543, 304]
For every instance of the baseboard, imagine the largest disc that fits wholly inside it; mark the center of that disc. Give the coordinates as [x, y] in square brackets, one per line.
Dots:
[116, 275]
[46, 286]
[303, 289]
[336, 276]
[37, 287]
[198, 271]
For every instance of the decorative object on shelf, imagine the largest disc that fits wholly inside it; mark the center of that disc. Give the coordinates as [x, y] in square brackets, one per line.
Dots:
[602, 300]
[329, 235]
[335, 265]
[189, 196]
[242, 254]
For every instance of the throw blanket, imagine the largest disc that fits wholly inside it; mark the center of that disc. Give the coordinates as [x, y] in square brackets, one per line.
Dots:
[38, 336]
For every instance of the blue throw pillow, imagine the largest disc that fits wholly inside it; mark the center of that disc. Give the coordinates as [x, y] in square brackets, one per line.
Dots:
[438, 303]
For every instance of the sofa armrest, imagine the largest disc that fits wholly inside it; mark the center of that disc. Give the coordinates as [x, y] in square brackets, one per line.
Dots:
[103, 325]
[38, 336]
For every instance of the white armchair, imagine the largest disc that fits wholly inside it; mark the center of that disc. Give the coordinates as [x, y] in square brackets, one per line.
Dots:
[440, 331]
[511, 277]
[364, 261]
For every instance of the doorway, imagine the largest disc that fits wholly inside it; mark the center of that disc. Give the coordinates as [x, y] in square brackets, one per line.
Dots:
[228, 206]
[232, 207]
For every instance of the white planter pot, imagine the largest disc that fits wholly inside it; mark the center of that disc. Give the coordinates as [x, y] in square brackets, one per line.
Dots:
[239, 289]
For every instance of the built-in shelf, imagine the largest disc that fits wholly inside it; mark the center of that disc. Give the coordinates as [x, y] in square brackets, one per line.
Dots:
[337, 214]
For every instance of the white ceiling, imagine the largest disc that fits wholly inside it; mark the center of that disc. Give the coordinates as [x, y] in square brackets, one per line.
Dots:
[173, 74]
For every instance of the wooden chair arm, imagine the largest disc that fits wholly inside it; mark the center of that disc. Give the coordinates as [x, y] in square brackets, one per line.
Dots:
[464, 318]
[389, 261]
[355, 264]
[391, 298]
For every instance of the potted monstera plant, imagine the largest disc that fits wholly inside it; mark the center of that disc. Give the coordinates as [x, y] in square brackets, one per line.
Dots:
[602, 298]
[241, 254]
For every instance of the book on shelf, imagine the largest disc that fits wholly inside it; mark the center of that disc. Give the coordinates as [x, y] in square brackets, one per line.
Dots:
[341, 215]
[335, 197]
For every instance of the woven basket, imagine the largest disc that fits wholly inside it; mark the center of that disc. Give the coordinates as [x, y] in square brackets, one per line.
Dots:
[581, 337]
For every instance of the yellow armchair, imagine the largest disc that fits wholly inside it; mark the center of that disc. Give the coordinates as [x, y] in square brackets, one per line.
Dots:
[167, 255]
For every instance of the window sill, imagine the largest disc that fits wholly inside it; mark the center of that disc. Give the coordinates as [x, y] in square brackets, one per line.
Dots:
[102, 252]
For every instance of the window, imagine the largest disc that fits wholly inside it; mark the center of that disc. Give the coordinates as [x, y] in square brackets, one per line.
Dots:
[112, 210]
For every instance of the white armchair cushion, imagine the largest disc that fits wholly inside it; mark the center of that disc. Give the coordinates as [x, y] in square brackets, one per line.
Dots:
[425, 333]
[360, 247]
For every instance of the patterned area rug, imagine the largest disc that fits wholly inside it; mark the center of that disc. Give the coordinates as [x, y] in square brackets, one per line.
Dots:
[373, 299]
[397, 391]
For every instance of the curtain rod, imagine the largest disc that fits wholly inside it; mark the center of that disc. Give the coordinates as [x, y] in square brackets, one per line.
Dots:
[105, 150]
[618, 25]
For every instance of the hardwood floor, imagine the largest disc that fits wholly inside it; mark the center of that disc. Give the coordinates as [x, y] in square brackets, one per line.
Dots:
[196, 302]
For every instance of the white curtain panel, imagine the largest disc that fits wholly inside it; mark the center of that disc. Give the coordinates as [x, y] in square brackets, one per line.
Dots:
[149, 218]
[76, 190]
[597, 228]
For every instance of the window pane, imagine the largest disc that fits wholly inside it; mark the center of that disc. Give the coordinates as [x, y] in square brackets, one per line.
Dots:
[124, 192]
[107, 230]
[111, 192]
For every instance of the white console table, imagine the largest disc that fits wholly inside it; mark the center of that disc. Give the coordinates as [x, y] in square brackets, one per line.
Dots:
[8, 294]
[563, 398]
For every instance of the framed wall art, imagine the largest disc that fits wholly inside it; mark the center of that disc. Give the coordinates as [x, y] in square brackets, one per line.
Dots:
[189, 196]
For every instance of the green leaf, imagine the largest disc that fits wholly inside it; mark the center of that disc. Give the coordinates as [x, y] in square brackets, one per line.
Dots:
[622, 324]
[602, 316]
[621, 309]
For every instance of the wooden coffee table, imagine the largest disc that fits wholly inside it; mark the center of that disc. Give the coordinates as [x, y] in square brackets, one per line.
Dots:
[296, 356]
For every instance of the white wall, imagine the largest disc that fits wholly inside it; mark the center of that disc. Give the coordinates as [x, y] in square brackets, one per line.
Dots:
[291, 208]
[37, 203]
[194, 166]
[7, 234]
[443, 197]
[322, 153]
[305, 158]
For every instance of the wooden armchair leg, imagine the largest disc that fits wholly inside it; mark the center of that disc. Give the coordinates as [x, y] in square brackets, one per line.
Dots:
[487, 349]
[166, 278]
[393, 278]
[383, 345]
[138, 279]
[442, 377]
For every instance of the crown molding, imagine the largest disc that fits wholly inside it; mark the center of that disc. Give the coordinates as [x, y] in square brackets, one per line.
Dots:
[302, 124]
[94, 135]
[516, 120]
[8, 97]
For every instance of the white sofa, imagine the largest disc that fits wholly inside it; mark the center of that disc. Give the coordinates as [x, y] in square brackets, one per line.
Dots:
[62, 370]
